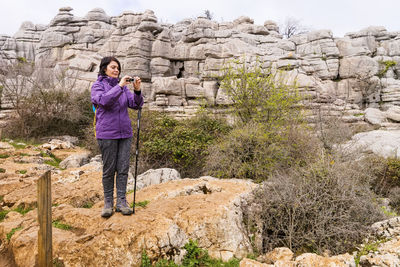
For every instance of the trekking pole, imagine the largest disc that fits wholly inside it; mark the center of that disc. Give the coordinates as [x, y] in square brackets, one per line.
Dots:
[137, 157]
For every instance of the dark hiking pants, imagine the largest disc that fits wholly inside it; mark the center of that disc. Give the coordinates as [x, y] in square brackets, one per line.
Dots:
[115, 154]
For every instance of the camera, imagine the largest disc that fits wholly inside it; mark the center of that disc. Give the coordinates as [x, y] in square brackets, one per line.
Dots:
[130, 80]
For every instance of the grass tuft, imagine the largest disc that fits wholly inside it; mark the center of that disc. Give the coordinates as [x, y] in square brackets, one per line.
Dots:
[142, 204]
[58, 224]
[10, 234]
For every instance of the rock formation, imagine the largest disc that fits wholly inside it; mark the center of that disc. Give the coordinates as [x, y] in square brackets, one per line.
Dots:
[178, 62]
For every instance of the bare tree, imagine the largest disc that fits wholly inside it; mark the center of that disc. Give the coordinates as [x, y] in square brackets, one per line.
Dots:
[292, 26]
[208, 14]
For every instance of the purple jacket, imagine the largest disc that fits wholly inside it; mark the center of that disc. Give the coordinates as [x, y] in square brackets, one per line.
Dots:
[112, 102]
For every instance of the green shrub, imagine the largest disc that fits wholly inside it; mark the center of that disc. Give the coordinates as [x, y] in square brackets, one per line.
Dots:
[253, 152]
[326, 205]
[365, 248]
[270, 133]
[260, 94]
[385, 174]
[145, 260]
[394, 197]
[385, 66]
[194, 257]
[167, 142]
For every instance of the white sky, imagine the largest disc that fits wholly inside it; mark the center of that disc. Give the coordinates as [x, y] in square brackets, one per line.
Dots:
[340, 16]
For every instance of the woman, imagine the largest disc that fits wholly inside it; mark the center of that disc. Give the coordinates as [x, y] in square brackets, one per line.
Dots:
[111, 98]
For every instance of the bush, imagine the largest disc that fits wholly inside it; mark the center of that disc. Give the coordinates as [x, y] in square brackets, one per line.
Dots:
[394, 199]
[63, 113]
[269, 134]
[384, 174]
[194, 257]
[45, 100]
[260, 94]
[326, 206]
[167, 142]
[253, 152]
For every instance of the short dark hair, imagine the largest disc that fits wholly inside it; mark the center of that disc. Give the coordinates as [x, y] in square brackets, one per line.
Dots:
[104, 63]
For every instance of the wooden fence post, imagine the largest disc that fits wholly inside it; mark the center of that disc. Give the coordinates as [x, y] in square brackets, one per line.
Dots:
[45, 223]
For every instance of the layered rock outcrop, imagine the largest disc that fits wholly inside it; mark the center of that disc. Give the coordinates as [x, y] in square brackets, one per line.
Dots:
[178, 63]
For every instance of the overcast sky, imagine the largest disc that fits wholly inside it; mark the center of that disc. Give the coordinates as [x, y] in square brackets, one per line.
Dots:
[340, 16]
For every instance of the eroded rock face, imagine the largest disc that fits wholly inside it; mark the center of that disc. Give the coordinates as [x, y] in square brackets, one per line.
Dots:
[169, 57]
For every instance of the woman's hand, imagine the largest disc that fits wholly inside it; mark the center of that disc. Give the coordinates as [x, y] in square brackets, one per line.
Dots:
[137, 83]
[124, 81]
[128, 79]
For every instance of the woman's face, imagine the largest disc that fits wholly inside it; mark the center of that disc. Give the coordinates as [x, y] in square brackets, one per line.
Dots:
[112, 69]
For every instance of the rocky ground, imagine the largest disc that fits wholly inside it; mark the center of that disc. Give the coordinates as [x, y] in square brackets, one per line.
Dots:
[170, 213]
[204, 209]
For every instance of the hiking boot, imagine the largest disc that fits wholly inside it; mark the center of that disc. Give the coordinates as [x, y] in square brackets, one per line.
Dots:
[107, 210]
[123, 207]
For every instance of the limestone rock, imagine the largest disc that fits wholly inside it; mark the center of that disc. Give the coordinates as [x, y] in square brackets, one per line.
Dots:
[271, 25]
[4, 145]
[204, 209]
[388, 228]
[279, 254]
[393, 113]
[97, 14]
[252, 263]
[390, 90]
[168, 85]
[153, 177]
[380, 142]
[375, 116]
[356, 47]
[319, 34]
[74, 161]
[376, 31]
[358, 67]
[83, 63]
[57, 144]
[54, 39]
[63, 17]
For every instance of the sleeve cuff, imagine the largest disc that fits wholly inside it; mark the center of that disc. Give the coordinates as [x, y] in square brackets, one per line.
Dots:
[137, 92]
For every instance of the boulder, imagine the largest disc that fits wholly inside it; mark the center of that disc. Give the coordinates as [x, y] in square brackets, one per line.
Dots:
[57, 144]
[375, 116]
[97, 14]
[152, 177]
[358, 67]
[311, 259]
[252, 263]
[393, 113]
[74, 161]
[384, 143]
[279, 254]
